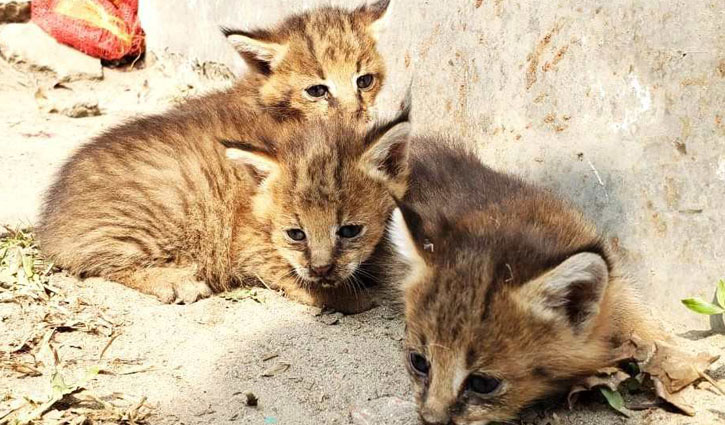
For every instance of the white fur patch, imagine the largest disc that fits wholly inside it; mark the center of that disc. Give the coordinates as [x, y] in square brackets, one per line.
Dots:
[404, 246]
[260, 162]
[401, 238]
[268, 52]
[546, 296]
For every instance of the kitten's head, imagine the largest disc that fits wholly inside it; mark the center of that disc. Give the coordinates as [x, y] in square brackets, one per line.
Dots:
[493, 322]
[325, 193]
[317, 61]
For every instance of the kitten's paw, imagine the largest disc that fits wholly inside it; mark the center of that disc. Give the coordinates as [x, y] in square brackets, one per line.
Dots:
[181, 292]
[168, 284]
[188, 291]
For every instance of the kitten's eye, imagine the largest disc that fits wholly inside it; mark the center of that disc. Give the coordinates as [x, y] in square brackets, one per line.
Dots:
[364, 82]
[482, 384]
[419, 363]
[349, 231]
[318, 90]
[296, 234]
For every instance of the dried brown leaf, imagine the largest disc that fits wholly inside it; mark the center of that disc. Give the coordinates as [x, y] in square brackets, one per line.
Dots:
[609, 377]
[674, 368]
[278, 368]
[675, 400]
[25, 369]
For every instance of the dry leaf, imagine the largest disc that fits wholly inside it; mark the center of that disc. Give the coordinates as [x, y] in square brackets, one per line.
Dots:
[608, 377]
[278, 368]
[676, 400]
[670, 370]
[674, 368]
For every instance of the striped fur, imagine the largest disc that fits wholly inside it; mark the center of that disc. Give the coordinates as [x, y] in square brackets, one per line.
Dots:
[156, 204]
[507, 281]
[327, 46]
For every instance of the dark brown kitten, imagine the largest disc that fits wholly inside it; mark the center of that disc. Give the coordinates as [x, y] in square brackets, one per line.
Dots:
[511, 292]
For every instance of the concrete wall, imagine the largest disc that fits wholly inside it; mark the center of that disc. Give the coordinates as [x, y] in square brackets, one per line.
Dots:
[619, 105]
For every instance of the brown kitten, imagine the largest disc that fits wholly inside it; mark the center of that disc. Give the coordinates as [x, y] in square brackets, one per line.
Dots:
[158, 205]
[314, 62]
[511, 293]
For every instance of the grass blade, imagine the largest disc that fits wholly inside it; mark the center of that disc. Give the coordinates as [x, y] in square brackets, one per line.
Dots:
[721, 293]
[615, 400]
[703, 307]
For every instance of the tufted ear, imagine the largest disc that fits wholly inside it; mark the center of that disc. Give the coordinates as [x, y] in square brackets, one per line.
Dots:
[261, 162]
[570, 292]
[386, 154]
[376, 16]
[405, 232]
[257, 49]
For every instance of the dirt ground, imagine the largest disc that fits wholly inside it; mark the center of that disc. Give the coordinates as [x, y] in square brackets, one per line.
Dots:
[134, 360]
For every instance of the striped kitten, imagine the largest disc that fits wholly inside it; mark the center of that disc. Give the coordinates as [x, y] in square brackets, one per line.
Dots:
[164, 206]
[511, 293]
[314, 62]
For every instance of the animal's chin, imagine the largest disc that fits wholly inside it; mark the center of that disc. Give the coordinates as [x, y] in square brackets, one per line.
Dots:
[323, 283]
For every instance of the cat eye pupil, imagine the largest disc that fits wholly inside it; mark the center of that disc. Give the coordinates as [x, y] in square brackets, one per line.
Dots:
[296, 234]
[419, 363]
[318, 90]
[349, 231]
[482, 384]
[364, 81]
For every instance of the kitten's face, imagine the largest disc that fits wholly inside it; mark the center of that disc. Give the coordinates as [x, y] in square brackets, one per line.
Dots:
[480, 345]
[319, 61]
[328, 220]
[471, 364]
[327, 198]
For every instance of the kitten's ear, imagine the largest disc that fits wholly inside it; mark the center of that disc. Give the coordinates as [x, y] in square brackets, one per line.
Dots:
[376, 16]
[262, 162]
[571, 292]
[256, 48]
[405, 232]
[386, 155]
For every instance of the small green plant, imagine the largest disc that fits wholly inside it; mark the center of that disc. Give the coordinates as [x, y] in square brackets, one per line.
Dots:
[703, 307]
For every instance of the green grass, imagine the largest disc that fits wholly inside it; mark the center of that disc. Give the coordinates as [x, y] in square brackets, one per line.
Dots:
[703, 307]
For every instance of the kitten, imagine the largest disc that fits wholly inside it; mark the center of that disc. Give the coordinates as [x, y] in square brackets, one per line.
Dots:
[164, 206]
[313, 62]
[510, 292]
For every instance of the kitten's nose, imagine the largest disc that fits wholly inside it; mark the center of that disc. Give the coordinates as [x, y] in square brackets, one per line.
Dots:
[321, 271]
[433, 417]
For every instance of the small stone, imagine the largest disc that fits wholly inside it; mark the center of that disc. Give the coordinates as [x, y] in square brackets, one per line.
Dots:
[331, 319]
[251, 400]
[14, 11]
[29, 44]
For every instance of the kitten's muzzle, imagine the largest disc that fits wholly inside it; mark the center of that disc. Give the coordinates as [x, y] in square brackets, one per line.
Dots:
[321, 272]
[450, 422]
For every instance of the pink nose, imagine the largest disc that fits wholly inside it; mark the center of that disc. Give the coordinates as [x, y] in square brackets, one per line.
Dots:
[321, 271]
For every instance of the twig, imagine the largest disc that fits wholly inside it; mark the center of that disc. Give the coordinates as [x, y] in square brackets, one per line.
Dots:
[714, 383]
[108, 344]
[599, 178]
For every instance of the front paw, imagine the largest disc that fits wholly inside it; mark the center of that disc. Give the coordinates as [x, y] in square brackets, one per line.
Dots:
[184, 291]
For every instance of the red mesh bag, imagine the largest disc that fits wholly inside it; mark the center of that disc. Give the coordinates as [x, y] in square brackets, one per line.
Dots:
[106, 29]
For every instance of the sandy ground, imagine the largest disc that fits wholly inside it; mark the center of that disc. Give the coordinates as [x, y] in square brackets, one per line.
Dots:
[193, 364]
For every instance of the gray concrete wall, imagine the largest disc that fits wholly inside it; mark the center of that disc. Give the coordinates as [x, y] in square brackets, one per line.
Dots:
[619, 105]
